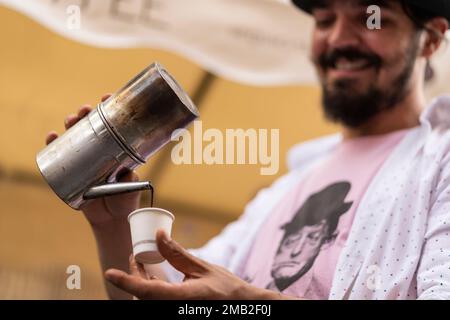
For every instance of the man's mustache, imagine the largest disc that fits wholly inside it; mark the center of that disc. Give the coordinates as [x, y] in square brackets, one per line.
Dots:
[329, 59]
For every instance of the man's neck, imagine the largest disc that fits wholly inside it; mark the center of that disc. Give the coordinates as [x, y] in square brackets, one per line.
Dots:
[404, 115]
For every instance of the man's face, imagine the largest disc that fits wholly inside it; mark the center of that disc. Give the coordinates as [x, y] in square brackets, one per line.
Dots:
[362, 71]
[297, 250]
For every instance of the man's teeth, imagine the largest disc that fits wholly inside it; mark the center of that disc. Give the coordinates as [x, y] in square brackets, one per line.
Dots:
[346, 65]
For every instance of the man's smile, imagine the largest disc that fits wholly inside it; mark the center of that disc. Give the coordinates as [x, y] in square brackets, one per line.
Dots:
[344, 67]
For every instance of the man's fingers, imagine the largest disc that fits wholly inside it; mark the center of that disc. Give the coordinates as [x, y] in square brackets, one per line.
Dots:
[123, 202]
[84, 110]
[127, 176]
[178, 257]
[144, 289]
[51, 136]
[106, 96]
[142, 271]
[71, 120]
[137, 269]
[129, 283]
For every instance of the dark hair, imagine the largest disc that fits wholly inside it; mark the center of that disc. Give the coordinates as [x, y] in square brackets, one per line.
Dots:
[418, 15]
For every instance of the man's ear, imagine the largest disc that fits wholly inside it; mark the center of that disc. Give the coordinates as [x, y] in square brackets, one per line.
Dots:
[435, 30]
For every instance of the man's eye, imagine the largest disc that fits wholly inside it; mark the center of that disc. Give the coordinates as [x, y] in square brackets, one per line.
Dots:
[324, 23]
[289, 241]
[385, 21]
[313, 236]
[292, 239]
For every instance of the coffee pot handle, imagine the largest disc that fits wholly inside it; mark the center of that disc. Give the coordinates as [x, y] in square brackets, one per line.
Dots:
[111, 189]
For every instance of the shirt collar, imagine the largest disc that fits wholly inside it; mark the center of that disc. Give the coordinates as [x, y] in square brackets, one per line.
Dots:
[437, 114]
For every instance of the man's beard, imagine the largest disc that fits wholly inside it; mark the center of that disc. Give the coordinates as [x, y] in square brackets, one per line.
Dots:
[342, 104]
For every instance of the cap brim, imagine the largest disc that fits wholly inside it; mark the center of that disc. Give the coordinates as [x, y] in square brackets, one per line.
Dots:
[305, 5]
[438, 7]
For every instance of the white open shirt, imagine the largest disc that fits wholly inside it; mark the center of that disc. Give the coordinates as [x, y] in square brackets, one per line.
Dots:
[399, 243]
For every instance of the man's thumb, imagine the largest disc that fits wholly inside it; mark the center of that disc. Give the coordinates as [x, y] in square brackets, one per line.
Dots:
[178, 257]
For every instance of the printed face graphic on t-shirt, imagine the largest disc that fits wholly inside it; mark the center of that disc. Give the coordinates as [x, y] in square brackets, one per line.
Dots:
[313, 225]
[297, 249]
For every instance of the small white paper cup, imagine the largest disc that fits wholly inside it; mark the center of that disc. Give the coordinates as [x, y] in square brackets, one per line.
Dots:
[143, 224]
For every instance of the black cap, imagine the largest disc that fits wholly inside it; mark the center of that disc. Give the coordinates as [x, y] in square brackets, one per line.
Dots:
[439, 7]
[328, 204]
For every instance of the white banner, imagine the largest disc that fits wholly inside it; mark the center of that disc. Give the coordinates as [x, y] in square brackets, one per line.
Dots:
[257, 42]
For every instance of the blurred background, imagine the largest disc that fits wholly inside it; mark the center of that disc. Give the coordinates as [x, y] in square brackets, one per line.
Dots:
[45, 77]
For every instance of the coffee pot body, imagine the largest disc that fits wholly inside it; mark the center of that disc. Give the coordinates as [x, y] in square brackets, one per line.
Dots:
[120, 133]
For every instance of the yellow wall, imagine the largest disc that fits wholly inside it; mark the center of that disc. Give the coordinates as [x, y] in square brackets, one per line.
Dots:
[43, 78]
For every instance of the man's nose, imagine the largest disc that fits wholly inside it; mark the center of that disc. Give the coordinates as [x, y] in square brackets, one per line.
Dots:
[344, 34]
[299, 246]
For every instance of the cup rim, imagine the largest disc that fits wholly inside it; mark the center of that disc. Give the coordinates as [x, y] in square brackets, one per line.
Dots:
[166, 212]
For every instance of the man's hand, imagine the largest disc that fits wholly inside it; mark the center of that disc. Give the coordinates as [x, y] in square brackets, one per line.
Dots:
[202, 279]
[108, 217]
[107, 210]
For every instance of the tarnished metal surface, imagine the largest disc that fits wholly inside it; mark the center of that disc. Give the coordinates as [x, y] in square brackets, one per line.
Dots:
[147, 110]
[123, 132]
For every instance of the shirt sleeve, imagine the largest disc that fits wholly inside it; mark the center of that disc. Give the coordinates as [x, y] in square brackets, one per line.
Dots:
[433, 274]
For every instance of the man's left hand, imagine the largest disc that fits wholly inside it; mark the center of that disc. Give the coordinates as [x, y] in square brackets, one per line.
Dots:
[202, 280]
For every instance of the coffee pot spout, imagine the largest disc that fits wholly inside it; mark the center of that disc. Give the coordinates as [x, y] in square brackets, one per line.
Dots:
[111, 189]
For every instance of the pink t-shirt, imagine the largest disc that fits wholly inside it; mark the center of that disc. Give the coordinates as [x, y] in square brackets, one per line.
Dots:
[297, 249]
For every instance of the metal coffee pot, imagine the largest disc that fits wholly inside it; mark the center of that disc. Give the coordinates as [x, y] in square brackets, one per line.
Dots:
[122, 132]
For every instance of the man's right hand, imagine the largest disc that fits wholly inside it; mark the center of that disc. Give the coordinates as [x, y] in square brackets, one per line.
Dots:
[107, 210]
[108, 219]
